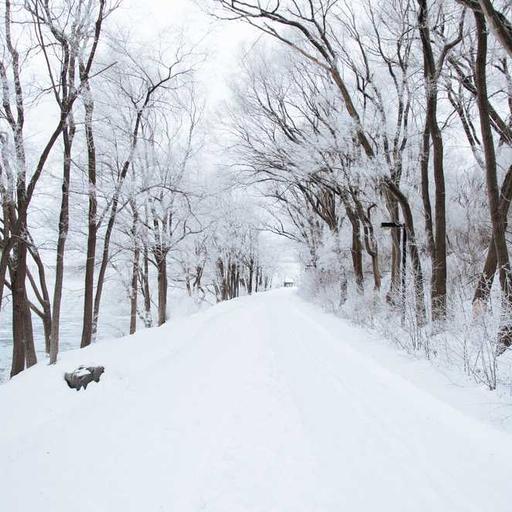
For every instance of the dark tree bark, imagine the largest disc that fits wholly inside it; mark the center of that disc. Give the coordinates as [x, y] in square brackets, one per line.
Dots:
[394, 285]
[161, 266]
[250, 277]
[135, 274]
[18, 319]
[64, 93]
[499, 24]
[419, 290]
[43, 296]
[425, 192]
[431, 72]
[101, 274]
[484, 285]
[68, 136]
[356, 251]
[497, 219]
[92, 222]
[370, 243]
[23, 342]
[148, 322]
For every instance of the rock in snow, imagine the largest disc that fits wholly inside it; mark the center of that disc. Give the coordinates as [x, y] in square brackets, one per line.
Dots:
[82, 376]
[262, 404]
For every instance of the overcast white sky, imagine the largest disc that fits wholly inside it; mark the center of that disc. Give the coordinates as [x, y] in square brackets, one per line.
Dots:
[221, 39]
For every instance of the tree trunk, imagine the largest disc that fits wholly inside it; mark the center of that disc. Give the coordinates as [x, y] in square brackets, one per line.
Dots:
[68, 136]
[370, 243]
[30, 349]
[198, 279]
[484, 285]
[497, 219]
[43, 297]
[4, 264]
[134, 290]
[499, 25]
[376, 271]
[148, 320]
[438, 290]
[250, 278]
[356, 251]
[162, 287]
[102, 272]
[23, 343]
[394, 285]
[425, 192]
[92, 225]
[257, 279]
[439, 271]
[135, 272]
[419, 290]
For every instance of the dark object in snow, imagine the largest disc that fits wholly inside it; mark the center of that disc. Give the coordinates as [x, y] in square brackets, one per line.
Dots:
[288, 284]
[82, 376]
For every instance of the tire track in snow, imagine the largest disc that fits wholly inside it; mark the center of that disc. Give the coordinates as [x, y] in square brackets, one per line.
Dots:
[390, 433]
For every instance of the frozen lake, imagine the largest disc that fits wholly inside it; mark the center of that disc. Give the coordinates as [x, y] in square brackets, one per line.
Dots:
[114, 321]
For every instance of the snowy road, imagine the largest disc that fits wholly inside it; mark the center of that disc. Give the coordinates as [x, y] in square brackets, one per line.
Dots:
[261, 404]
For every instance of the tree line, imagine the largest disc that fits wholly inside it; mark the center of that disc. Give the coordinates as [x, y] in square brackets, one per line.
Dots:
[353, 114]
[101, 144]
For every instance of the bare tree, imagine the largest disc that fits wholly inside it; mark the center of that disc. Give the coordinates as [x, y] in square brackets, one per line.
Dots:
[140, 87]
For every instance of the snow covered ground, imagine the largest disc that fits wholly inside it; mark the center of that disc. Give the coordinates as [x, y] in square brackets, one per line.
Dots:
[260, 404]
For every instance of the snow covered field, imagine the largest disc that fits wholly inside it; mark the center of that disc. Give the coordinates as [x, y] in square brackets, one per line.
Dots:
[263, 403]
